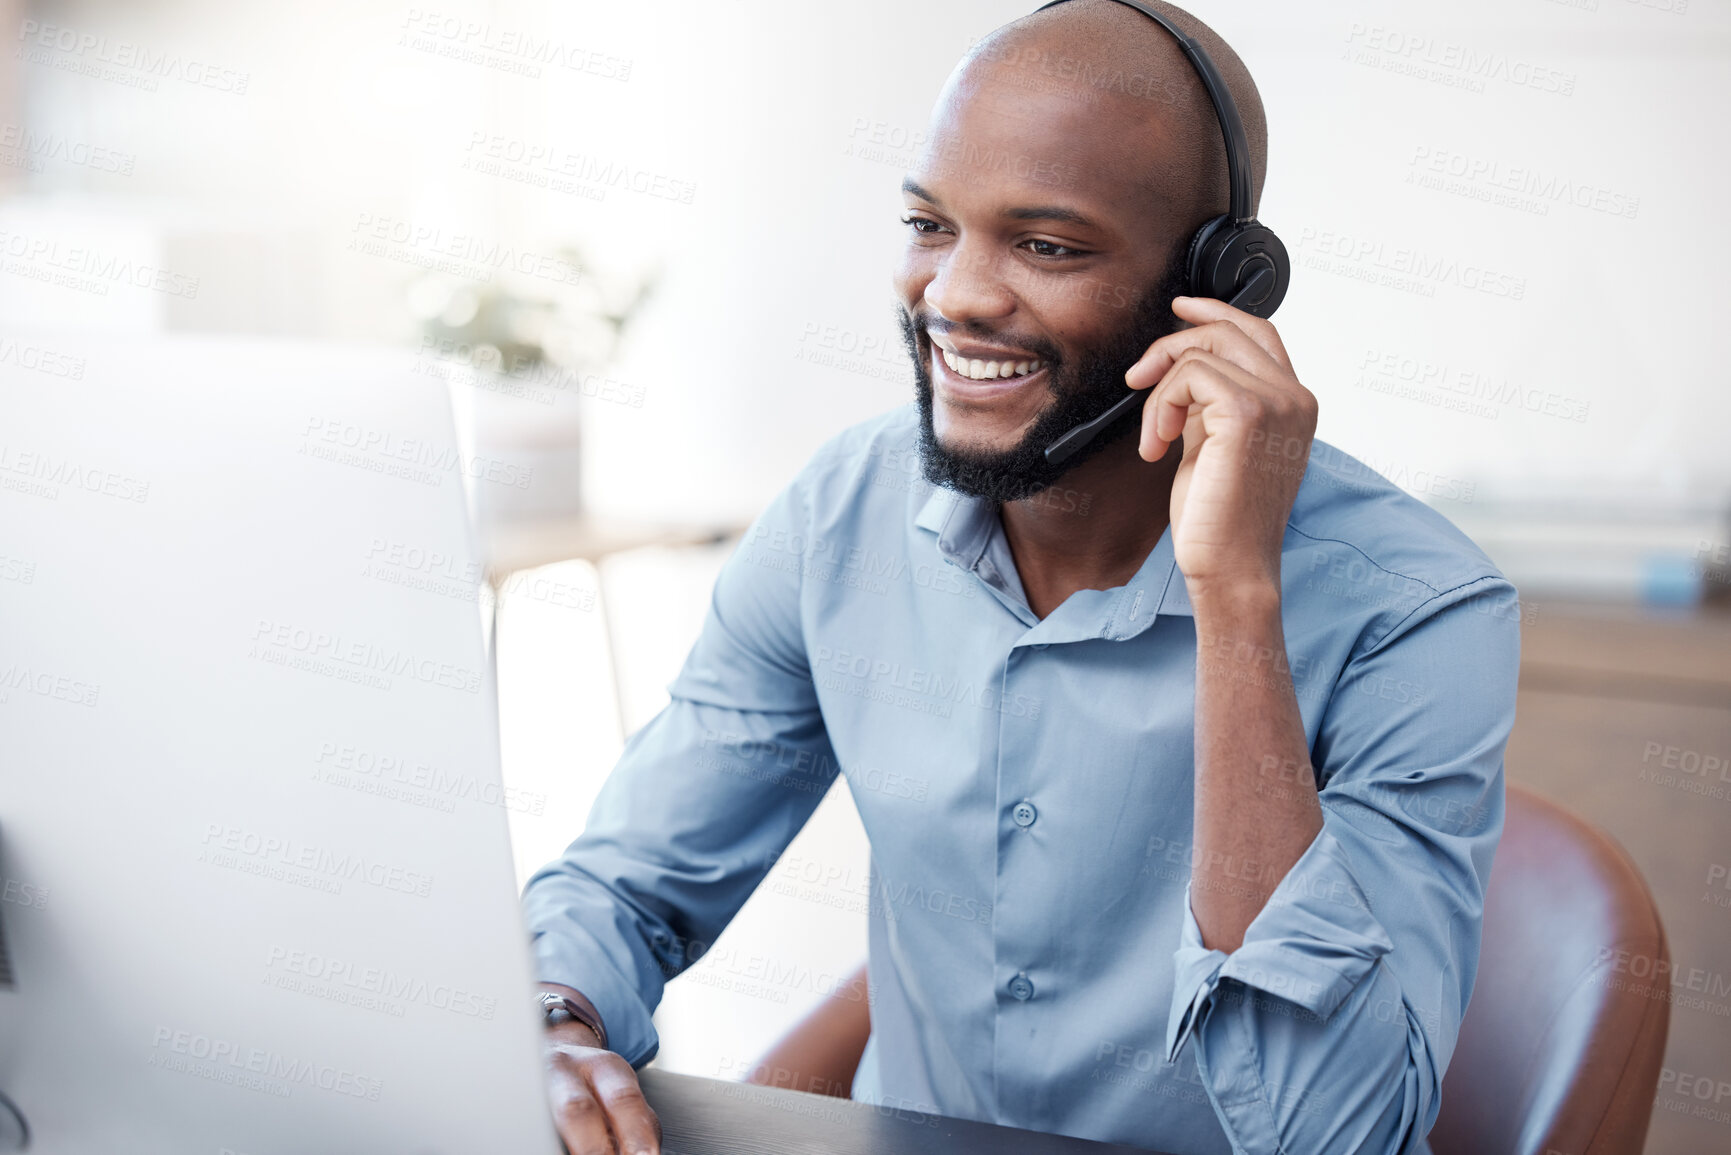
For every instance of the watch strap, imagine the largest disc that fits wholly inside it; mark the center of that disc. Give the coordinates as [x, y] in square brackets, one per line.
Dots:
[553, 1003]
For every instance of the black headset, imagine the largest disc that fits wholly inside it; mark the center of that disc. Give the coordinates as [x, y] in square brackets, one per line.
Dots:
[1233, 258]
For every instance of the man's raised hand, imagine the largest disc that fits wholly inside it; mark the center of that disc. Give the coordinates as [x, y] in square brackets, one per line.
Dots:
[1226, 387]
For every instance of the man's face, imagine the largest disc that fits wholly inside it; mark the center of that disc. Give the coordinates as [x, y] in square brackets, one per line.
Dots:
[1038, 267]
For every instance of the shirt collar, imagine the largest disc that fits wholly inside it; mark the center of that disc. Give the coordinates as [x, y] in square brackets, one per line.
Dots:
[970, 533]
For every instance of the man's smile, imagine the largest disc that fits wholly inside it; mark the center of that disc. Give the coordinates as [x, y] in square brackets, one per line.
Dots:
[963, 371]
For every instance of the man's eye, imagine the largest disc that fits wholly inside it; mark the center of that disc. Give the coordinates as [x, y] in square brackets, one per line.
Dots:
[1053, 249]
[916, 222]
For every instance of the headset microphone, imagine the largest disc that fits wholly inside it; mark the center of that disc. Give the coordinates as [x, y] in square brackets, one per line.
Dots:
[1232, 258]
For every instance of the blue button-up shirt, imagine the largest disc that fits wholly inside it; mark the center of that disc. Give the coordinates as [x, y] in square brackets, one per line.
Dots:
[1027, 785]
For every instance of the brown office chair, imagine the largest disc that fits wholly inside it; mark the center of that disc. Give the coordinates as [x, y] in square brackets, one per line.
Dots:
[1561, 1046]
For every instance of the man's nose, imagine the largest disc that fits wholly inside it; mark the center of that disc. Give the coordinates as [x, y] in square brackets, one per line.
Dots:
[967, 285]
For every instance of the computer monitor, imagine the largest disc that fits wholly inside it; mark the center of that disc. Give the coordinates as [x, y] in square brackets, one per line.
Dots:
[255, 876]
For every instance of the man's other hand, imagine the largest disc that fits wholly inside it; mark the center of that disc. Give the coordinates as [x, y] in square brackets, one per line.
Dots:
[598, 1108]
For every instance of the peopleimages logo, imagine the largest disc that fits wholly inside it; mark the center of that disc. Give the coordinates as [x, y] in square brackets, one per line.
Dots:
[517, 50]
[1456, 65]
[915, 687]
[319, 651]
[225, 845]
[1704, 1096]
[47, 684]
[1511, 185]
[431, 246]
[1693, 771]
[25, 148]
[1402, 267]
[42, 474]
[1389, 371]
[41, 359]
[346, 981]
[137, 65]
[411, 458]
[547, 164]
[257, 1068]
[416, 781]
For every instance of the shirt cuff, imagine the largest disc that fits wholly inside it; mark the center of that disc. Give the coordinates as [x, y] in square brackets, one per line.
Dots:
[1311, 944]
[630, 1030]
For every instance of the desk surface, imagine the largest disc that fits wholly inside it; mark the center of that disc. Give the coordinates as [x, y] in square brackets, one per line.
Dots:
[712, 1117]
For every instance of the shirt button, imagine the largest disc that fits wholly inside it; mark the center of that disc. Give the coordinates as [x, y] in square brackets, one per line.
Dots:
[1024, 814]
[1021, 988]
[1040, 645]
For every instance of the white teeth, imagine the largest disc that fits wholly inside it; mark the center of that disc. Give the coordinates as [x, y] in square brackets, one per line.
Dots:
[988, 370]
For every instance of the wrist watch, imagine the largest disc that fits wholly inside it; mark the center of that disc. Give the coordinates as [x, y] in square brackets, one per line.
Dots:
[556, 1008]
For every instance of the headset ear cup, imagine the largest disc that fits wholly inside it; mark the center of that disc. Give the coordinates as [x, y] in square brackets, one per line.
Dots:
[1197, 282]
[1228, 255]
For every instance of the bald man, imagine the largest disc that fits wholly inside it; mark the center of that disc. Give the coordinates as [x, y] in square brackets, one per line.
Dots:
[1181, 763]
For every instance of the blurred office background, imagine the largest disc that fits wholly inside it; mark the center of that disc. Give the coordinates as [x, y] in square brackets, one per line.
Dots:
[649, 247]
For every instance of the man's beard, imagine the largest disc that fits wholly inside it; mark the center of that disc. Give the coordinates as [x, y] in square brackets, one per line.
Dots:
[1081, 390]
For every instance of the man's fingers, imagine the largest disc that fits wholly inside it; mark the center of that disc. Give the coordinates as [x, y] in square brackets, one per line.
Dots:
[1225, 338]
[1198, 380]
[634, 1124]
[1222, 338]
[1202, 310]
[582, 1122]
[579, 1117]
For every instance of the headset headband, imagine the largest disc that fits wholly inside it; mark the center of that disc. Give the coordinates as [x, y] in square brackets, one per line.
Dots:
[1225, 108]
[1232, 258]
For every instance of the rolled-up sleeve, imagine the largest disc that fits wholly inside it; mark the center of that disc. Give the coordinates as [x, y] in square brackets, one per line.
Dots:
[702, 801]
[1330, 1027]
